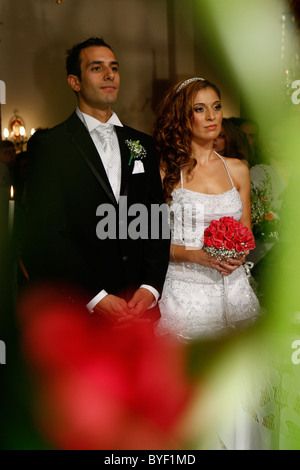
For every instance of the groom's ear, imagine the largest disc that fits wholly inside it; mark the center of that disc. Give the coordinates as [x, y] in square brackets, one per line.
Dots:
[74, 83]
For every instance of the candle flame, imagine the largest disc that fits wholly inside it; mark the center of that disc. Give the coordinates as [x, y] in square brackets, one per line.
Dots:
[12, 192]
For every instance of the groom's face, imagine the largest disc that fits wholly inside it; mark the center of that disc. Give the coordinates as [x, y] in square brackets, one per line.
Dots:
[99, 84]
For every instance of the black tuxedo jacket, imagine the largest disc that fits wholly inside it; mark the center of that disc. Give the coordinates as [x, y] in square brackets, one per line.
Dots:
[66, 184]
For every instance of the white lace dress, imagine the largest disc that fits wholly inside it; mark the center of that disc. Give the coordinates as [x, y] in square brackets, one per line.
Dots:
[198, 301]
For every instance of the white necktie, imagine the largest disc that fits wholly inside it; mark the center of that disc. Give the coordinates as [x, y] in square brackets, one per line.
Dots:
[111, 158]
[104, 134]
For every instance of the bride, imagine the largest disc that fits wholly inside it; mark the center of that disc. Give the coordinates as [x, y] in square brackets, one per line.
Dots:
[202, 296]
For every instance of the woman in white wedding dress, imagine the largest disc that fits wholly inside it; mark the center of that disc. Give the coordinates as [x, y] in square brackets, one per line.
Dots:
[202, 296]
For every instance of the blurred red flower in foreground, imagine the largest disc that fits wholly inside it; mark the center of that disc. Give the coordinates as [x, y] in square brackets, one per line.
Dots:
[97, 387]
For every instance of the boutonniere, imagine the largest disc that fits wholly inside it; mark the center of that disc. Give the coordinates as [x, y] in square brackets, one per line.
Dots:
[137, 151]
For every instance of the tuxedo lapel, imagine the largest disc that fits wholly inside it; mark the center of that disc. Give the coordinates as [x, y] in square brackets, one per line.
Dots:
[125, 157]
[81, 139]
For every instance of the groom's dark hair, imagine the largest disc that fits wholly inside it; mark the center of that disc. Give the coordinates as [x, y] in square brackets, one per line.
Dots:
[73, 63]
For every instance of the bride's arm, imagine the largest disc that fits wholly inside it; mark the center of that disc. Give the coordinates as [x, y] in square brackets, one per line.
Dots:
[241, 176]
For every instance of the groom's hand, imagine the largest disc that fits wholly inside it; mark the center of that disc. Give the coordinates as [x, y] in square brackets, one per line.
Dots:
[113, 308]
[141, 300]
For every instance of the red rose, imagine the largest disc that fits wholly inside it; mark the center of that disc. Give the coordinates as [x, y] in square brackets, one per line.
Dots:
[237, 239]
[231, 227]
[250, 245]
[229, 245]
[239, 248]
[213, 224]
[222, 227]
[210, 231]
[218, 244]
[219, 236]
[208, 242]
[244, 230]
[228, 221]
[229, 235]
[250, 237]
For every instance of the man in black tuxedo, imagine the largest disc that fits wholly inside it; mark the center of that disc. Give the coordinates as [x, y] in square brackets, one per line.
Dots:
[74, 174]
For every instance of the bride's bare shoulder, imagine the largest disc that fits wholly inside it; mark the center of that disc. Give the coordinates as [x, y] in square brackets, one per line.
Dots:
[237, 166]
[239, 172]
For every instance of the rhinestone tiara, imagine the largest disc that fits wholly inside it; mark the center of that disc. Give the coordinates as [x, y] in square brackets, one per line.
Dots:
[188, 81]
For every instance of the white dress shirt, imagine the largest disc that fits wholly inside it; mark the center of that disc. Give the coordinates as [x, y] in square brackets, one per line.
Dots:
[111, 158]
[91, 124]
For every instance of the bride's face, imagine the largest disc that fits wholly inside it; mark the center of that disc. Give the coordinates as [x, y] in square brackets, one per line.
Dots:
[207, 116]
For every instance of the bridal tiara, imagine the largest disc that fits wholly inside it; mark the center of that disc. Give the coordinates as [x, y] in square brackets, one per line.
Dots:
[189, 81]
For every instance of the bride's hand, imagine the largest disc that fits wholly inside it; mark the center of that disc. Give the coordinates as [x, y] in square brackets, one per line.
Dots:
[213, 262]
[231, 264]
[225, 267]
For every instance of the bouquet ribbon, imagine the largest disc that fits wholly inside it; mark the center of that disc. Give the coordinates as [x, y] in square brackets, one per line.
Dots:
[248, 265]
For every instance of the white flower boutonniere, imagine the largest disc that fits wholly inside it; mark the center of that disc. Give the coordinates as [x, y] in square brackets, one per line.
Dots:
[137, 151]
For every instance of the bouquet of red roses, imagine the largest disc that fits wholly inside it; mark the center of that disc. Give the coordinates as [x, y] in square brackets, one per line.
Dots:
[227, 238]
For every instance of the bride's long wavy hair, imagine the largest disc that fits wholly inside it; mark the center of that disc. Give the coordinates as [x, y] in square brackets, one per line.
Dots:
[172, 131]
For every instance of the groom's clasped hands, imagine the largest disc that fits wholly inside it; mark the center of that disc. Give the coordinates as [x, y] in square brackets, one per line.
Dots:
[118, 311]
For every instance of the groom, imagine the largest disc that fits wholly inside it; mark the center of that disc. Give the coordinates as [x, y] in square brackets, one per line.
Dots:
[85, 164]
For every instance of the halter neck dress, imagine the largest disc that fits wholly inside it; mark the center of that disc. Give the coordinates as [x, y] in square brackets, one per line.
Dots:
[198, 301]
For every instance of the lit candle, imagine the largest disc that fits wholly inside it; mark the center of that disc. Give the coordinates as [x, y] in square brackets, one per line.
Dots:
[22, 131]
[11, 210]
[32, 131]
[22, 134]
[6, 133]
